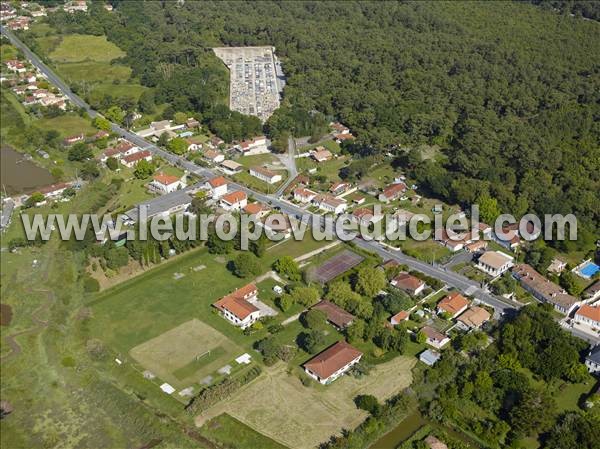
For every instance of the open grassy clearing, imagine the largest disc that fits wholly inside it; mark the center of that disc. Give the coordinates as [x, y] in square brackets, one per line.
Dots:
[278, 405]
[12, 112]
[78, 47]
[93, 72]
[187, 353]
[229, 432]
[258, 160]
[123, 89]
[67, 125]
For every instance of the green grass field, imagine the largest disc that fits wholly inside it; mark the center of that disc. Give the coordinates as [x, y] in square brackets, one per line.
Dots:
[187, 353]
[94, 72]
[227, 431]
[77, 47]
[67, 125]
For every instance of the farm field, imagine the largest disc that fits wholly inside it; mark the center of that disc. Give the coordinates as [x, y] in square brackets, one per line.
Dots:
[279, 406]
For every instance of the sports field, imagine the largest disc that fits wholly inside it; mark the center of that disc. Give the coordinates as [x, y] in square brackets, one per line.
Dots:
[187, 353]
[280, 407]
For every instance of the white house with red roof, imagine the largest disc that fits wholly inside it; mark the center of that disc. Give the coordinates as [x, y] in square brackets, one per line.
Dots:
[588, 315]
[392, 192]
[265, 175]
[409, 283]
[217, 186]
[162, 183]
[303, 195]
[453, 304]
[236, 200]
[330, 203]
[133, 159]
[257, 145]
[333, 362]
[54, 190]
[15, 65]
[239, 306]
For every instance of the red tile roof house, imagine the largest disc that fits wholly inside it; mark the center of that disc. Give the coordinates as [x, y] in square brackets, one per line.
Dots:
[256, 210]
[217, 186]
[392, 192]
[16, 66]
[213, 156]
[238, 308]
[473, 318]
[277, 225]
[162, 183]
[258, 145]
[337, 188]
[454, 241]
[335, 315]
[339, 128]
[339, 138]
[234, 201]
[124, 148]
[54, 190]
[365, 217]
[435, 338]
[588, 315]
[399, 317]
[331, 204]
[454, 304]
[133, 159]
[332, 362]
[544, 290]
[265, 175]
[320, 154]
[303, 195]
[408, 283]
[73, 139]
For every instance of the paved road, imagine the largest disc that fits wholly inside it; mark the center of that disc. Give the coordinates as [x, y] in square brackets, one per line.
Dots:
[455, 280]
[290, 163]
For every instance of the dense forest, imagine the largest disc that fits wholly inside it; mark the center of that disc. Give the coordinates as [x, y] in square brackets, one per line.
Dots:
[508, 92]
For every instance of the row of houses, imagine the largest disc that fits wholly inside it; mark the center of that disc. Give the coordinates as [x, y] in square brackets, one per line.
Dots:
[25, 84]
[127, 153]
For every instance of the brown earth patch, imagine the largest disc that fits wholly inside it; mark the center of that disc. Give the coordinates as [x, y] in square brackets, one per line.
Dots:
[6, 314]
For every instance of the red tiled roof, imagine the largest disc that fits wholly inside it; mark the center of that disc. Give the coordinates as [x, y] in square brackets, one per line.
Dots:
[165, 179]
[234, 197]
[587, 311]
[400, 316]
[432, 334]
[137, 156]
[407, 281]
[217, 182]
[335, 314]
[254, 208]
[236, 302]
[54, 187]
[394, 189]
[453, 303]
[332, 359]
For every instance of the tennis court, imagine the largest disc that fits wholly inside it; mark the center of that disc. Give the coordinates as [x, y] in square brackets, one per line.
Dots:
[337, 265]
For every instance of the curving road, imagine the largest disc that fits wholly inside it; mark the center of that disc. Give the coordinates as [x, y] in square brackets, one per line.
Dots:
[453, 279]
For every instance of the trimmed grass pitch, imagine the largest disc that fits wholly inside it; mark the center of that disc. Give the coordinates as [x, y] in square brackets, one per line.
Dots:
[280, 407]
[187, 353]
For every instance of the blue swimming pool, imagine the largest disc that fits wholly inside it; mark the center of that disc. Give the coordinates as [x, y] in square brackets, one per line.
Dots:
[589, 269]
